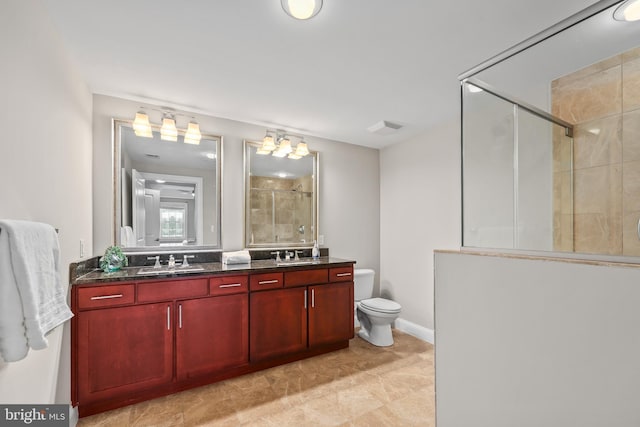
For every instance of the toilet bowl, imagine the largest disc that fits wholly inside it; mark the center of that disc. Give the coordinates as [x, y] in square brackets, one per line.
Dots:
[375, 315]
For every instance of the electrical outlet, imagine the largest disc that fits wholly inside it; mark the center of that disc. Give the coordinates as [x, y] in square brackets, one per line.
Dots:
[321, 239]
[81, 248]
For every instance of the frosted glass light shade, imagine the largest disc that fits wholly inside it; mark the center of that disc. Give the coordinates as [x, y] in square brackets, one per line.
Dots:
[168, 131]
[301, 149]
[267, 143]
[284, 148]
[301, 9]
[193, 135]
[141, 126]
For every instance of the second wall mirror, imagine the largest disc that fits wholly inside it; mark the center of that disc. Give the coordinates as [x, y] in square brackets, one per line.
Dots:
[281, 199]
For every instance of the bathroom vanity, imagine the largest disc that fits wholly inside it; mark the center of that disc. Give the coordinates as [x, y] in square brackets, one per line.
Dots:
[136, 337]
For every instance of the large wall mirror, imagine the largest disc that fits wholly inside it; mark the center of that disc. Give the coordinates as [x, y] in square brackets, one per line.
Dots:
[281, 199]
[167, 193]
[550, 140]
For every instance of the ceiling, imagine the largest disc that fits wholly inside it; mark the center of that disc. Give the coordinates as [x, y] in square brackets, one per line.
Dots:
[356, 63]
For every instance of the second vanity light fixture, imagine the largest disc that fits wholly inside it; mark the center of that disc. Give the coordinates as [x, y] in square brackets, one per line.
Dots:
[301, 9]
[168, 131]
[280, 146]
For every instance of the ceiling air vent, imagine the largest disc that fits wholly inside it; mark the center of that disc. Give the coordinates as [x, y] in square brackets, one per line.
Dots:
[384, 128]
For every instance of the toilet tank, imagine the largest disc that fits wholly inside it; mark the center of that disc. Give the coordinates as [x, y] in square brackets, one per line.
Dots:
[363, 283]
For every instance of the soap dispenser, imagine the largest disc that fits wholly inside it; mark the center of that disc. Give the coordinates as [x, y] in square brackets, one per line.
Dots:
[315, 252]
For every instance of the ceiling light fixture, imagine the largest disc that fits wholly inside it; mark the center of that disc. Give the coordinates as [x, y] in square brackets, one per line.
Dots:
[301, 9]
[168, 131]
[628, 11]
[141, 125]
[283, 146]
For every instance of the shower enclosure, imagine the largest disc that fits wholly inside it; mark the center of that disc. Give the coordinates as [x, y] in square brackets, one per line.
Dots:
[550, 140]
[516, 174]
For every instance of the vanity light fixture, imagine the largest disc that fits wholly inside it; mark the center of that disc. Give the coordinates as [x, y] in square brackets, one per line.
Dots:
[141, 125]
[168, 131]
[283, 147]
[301, 9]
[628, 11]
[193, 135]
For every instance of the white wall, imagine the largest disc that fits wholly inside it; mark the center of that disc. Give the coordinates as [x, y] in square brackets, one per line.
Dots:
[419, 212]
[349, 184]
[45, 170]
[523, 342]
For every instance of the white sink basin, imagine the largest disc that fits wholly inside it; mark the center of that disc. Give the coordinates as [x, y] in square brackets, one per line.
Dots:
[166, 270]
[296, 262]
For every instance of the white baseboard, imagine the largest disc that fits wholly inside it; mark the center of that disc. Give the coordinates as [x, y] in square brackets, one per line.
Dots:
[73, 416]
[425, 334]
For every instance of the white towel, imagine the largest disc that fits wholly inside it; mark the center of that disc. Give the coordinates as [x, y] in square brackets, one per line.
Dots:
[32, 299]
[127, 238]
[237, 257]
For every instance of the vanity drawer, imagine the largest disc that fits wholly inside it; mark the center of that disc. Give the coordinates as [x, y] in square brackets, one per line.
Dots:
[105, 296]
[341, 274]
[260, 282]
[228, 285]
[306, 277]
[172, 289]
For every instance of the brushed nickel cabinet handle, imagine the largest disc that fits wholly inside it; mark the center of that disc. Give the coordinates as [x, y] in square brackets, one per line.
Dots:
[305, 299]
[343, 274]
[180, 316]
[313, 298]
[266, 282]
[233, 285]
[107, 297]
[168, 318]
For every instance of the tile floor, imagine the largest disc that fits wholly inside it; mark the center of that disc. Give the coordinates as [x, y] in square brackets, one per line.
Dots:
[363, 385]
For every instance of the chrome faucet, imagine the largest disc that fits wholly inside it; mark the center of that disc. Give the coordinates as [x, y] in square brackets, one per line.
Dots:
[157, 258]
[172, 262]
[287, 255]
[297, 258]
[277, 254]
[185, 261]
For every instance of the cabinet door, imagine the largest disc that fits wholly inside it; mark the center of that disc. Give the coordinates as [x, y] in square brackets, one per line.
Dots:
[278, 322]
[123, 350]
[330, 313]
[211, 334]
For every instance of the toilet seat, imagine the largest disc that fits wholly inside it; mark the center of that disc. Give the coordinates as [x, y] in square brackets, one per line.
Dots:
[381, 305]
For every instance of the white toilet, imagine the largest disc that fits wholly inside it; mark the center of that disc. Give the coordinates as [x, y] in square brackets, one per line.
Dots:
[374, 314]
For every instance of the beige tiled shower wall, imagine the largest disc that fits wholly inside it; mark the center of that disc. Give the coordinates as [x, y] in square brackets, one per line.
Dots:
[293, 209]
[603, 103]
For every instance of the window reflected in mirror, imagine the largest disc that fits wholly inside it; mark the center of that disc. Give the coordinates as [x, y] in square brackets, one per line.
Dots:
[167, 193]
[281, 199]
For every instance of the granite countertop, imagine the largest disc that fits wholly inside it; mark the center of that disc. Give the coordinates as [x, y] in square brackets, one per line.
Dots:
[262, 265]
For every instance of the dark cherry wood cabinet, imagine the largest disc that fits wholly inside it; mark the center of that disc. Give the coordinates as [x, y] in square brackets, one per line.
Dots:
[134, 341]
[123, 350]
[330, 313]
[211, 334]
[278, 322]
[307, 313]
